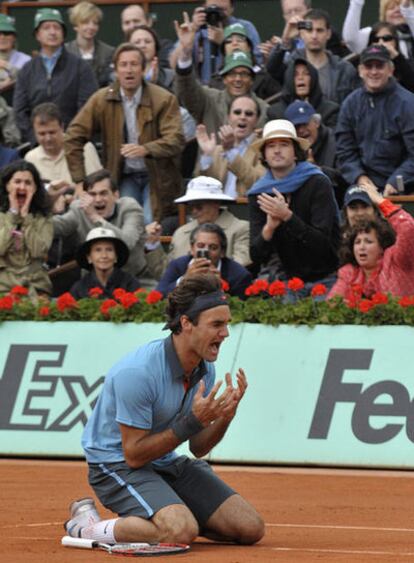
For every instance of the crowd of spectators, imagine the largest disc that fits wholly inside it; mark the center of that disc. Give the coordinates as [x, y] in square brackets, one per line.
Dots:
[105, 149]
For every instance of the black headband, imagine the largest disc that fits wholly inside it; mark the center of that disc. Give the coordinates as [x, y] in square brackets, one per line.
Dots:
[201, 303]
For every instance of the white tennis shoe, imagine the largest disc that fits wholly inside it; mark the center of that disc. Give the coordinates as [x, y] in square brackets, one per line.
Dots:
[83, 514]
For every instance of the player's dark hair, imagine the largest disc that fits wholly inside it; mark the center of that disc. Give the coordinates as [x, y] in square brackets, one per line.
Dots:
[180, 299]
[98, 176]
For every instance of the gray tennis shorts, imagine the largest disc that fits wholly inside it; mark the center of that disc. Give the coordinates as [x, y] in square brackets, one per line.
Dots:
[143, 492]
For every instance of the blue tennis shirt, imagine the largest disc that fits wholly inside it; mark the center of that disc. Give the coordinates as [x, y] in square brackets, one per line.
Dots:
[144, 390]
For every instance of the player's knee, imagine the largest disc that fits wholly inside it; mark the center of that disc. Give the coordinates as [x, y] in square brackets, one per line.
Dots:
[250, 531]
[181, 530]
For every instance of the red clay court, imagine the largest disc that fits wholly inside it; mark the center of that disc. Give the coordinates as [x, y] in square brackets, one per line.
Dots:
[311, 515]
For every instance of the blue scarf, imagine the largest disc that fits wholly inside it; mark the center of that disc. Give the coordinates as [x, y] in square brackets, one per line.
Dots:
[292, 182]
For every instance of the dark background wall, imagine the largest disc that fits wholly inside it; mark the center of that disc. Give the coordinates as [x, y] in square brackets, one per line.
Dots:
[265, 14]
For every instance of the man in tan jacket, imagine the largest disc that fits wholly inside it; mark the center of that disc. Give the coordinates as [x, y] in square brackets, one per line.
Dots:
[141, 132]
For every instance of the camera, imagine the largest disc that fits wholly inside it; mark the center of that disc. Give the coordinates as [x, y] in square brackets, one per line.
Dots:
[203, 253]
[214, 15]
[305, 24]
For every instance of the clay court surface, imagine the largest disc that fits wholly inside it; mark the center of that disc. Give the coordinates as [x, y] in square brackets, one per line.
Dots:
[310, 514]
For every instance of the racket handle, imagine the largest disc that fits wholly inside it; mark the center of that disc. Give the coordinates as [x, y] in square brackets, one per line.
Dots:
[83, 543]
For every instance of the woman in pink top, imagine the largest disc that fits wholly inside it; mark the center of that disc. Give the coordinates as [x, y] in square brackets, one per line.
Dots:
[371, 260]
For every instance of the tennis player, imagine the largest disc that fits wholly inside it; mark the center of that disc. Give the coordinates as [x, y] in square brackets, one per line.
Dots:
[157, 397]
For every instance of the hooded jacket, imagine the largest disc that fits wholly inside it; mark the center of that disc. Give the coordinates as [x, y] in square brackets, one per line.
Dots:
[326, 108]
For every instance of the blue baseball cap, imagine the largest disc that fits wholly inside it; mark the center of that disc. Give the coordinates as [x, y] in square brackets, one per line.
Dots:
[356, 193]
[299, 112]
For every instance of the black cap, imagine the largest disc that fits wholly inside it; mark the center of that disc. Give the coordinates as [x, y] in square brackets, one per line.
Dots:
[356, 193]
[375, 53]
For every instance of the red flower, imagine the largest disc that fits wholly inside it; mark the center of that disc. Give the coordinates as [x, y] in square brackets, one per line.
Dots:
[95, 292]
[44, 311]
[6, 303]
[277, 288]
[140, 290]
[318, 289]
[118, 293]
[357, 289]
[379, 298]
[66, 301]
[365, 305]
[106, 305]
[19, 290]
[406, 301]
[257, 287]
[127, 300]
[225, 285]
[295, 284]
[153, 297]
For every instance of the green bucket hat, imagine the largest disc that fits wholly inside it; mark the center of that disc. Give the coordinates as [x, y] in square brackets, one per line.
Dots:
[7, 24]
[238, 58]
[48, 15]
[235, 29]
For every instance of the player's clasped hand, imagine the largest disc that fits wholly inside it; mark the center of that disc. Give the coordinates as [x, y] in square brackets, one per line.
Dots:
[210, 408]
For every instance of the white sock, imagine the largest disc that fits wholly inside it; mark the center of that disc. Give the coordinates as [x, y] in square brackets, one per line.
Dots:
[100, 531]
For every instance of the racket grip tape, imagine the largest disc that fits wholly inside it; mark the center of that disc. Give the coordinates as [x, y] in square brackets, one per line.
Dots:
[83, 543]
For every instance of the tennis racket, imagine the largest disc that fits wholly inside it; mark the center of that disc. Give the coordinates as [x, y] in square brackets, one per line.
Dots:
[131, 549]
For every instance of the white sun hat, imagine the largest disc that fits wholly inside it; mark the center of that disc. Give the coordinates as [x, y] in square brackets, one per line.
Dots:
[280, 129]
[204, 187]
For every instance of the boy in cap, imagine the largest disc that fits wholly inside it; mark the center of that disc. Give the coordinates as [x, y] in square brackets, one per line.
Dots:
[53, 76]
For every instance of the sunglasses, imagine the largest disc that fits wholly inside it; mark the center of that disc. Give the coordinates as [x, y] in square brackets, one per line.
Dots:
[385, 38]
[246, 112]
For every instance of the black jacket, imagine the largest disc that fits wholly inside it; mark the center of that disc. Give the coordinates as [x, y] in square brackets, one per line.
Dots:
[326, 108]
[119, 278]
[69, 86]
[306, 244]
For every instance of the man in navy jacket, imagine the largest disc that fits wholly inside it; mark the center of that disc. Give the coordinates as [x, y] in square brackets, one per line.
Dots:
[208, 249]
[375, 130]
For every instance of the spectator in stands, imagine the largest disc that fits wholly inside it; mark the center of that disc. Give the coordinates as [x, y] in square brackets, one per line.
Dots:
[208, 244]
[103, 254]
[293, 12]
[337, 78]
[375, 131]
[133, 16]
[86, 18]
[372, 260]
[210, 105]
[294, 228]
[140, 127]
[383, 33]
[49, 157]
[322, 152]
[11, 60]
[234, 162]
[26, 229]
[301, 82]
[101, 206]
[399, 13]
[9, 133]
[208, 23]
[53, 76]
[204, 198]
[237, 39]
